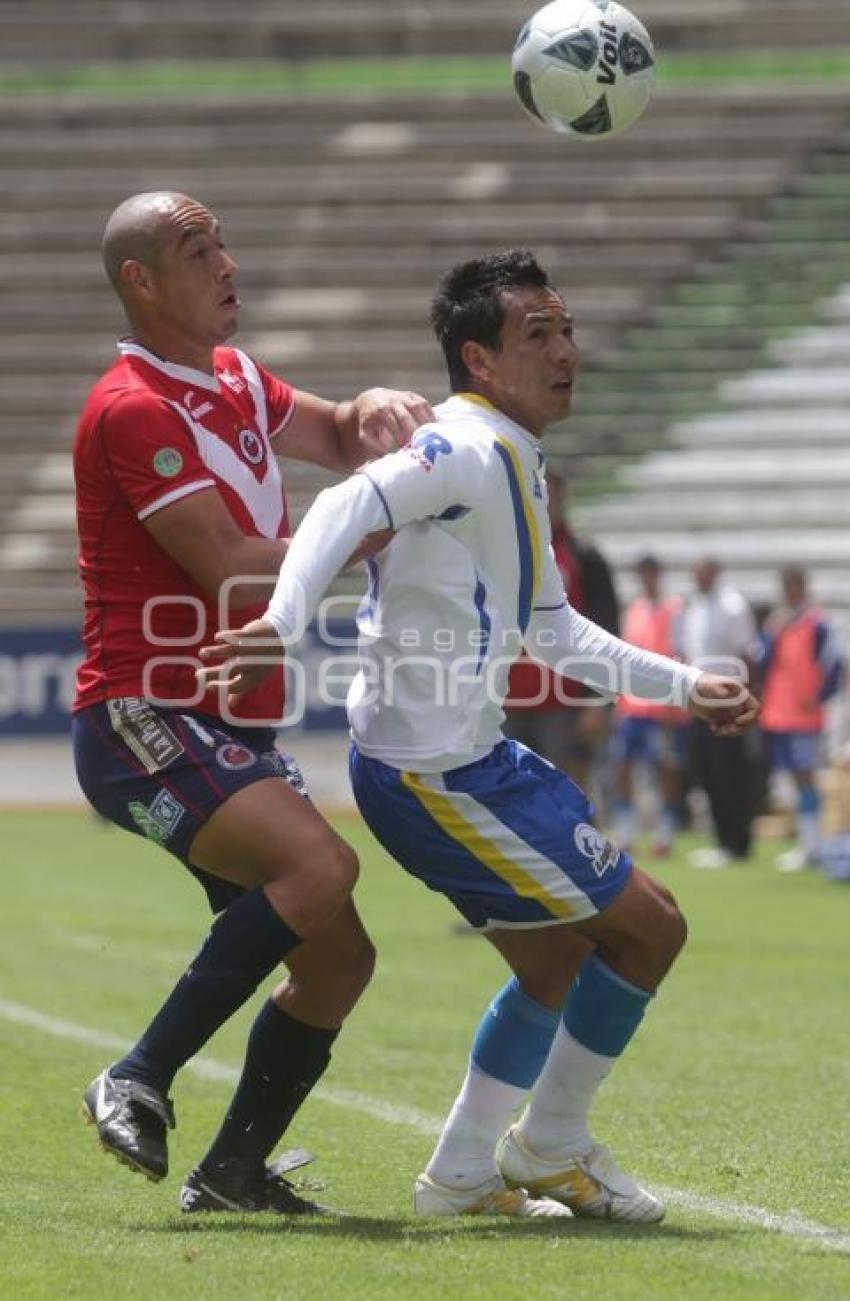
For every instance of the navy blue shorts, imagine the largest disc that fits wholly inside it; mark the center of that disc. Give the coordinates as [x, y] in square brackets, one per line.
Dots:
[161, 773]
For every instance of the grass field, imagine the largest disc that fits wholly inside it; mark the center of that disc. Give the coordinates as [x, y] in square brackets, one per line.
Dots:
[434, 76]
[733, 1098]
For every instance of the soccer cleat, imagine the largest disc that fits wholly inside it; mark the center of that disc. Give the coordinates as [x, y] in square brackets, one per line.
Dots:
[710, 860]
[592, 1186]
[490, 1198]
[793, 860]
[132, 1120]
[268, 1191]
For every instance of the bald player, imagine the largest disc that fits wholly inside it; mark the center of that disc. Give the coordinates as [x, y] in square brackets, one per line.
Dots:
[182, 522]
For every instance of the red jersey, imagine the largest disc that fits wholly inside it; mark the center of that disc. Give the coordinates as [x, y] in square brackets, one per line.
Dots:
[654, 626]
[151, 433]
[529, 679]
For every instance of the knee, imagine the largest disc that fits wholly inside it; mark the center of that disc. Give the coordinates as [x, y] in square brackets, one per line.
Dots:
[333, 871]
[671, 928]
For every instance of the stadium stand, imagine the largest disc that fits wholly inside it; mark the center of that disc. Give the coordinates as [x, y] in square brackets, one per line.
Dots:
[67, 31]
[683, 248]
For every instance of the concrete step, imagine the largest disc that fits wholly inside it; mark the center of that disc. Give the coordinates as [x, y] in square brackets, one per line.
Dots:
[753, 469]
[770, 428]
[737, 509]
[408, 229]
[792, 385]
[765, 549]
[71, 190]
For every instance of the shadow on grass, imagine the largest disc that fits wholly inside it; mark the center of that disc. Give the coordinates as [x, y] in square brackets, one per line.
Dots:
[367, 1228]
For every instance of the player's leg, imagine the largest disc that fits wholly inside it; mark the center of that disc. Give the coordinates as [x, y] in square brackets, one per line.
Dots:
[403, 810]
[801, 759]
[510, 1048]
[669, 768]
[517, 851]
[260, 847]
[624, 756]
[579, 994]
[289, 1049]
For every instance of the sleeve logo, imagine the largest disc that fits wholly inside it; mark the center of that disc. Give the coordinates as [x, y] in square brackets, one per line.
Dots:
[426, 447]
[167, 462]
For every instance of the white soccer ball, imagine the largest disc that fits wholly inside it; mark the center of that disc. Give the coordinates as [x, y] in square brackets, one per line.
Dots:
[585, 67]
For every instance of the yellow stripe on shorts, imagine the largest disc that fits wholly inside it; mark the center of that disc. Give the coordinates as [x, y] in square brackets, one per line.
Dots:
[449, 818]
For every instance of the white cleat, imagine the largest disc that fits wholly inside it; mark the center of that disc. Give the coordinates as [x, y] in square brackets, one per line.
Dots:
[793, 860]
[710, 860]
[593, 1186]
[490, 1198]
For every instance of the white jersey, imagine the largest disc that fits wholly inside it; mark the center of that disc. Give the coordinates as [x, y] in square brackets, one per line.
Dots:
[468, 578]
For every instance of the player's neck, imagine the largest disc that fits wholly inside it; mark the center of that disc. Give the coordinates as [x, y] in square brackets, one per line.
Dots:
[176, 349]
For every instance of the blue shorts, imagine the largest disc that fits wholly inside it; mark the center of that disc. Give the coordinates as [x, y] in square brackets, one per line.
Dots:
[651, 741]
[509, 840]
[793, 751]
[161, 773]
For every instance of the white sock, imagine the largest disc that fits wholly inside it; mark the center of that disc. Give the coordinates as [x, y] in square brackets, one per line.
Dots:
[555, 1120]
[808, 832]
[464, 1156]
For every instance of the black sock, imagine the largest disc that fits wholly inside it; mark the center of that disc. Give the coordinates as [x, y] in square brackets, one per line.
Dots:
[283, 1061]
[244, 945]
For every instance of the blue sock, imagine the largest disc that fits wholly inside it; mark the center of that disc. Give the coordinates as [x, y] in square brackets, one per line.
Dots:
[603, 1010]
[809, 801]
[245, 943]
[514, 1037]
[284, 1060]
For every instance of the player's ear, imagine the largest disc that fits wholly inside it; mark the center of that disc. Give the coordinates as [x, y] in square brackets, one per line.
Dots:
[477, 359]
[135, 277]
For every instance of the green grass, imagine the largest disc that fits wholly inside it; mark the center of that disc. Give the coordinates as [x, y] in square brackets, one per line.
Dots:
[736, 1090]
[432, 76]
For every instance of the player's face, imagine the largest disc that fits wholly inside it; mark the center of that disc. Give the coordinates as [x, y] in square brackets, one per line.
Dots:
[532, 371]
[193, 287]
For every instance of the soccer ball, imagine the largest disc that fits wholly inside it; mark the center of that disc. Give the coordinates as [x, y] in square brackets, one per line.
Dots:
[585, 67]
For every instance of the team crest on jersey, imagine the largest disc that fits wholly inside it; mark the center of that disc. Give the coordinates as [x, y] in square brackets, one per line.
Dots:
[601, 852]
[235, 383]
[251, 446]
[234, 757]
[167, 462]
[425, 448]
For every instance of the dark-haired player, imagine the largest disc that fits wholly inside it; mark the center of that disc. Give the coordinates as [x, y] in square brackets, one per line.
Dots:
[504, 835]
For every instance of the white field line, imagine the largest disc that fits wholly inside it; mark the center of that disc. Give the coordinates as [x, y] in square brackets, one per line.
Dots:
[789, 1225]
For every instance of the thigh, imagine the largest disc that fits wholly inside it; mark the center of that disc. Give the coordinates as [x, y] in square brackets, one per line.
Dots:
[508, 840]
[170, 775]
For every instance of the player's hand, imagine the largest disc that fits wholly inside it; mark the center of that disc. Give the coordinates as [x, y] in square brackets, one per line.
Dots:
[726, 704]
[240, 659]
[387, 419]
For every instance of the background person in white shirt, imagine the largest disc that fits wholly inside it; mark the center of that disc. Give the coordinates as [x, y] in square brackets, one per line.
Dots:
[719, 633]
[468, 577]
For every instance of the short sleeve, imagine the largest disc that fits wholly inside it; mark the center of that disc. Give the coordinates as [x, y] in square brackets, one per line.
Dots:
[151, 454]
[280, 400]
[434, 477]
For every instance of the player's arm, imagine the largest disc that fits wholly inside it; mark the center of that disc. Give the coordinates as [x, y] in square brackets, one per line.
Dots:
[340, 436]
[420, 482]
[202, 537]
[578, 648]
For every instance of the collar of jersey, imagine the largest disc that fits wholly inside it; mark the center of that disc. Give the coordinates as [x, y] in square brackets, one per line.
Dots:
[511, 426]
[200, 378]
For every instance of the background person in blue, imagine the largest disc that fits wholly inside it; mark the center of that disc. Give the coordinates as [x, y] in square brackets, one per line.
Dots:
[802, 669]
[469, 576]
